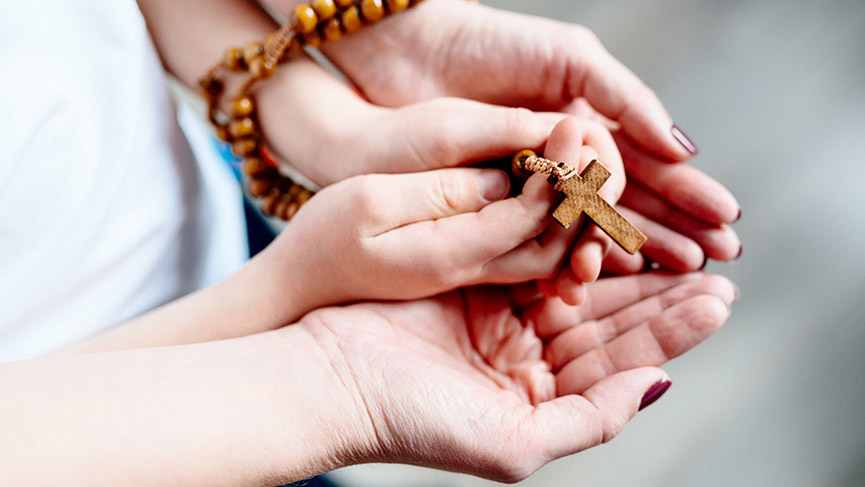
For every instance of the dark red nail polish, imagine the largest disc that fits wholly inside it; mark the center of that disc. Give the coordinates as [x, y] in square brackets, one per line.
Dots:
[738, 256]
[684, 140]
[738, 216]
[654, 393]
[705, 261]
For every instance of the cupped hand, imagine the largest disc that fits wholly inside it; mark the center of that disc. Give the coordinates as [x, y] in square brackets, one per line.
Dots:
[407, 236]
[497, 382]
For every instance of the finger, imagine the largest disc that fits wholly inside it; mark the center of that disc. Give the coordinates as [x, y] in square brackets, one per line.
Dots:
[390, 201]
[467, 241]
[719, 242]
[448, 132]
[594, 334]
[588, 254]
[604, 297]
[682, 186]
[669, 249]
[618, 94]
[569, 288]
[619, 262]
[667, 335]
[572, 423]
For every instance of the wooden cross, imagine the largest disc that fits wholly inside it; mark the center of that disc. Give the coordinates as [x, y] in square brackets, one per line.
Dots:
[582, 197]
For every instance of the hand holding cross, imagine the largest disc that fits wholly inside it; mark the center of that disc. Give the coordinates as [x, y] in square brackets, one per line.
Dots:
[582, 197]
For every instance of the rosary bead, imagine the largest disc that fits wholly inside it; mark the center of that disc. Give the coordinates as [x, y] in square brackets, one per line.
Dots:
[268, 202]
[255, 167]
[242, 106]
[243, 147]
[258, 187]
[344, 3]
[234, 59]
[211, 87]
[351, 20]
[312, 39]
[394, 6]
[241, 127]
[261, 69]
[290, 211]
[279, 207]
[251, 51]
[303, 196]
[324, 9]
[372, 10]
[332, 30]
[222, 133]
[303, 19]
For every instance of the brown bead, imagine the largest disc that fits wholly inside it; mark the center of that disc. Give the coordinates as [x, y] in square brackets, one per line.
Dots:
[332, 30]
[222, 133]
[260, 186]
[261, 69]
[294, 190]
[303, 19]
[372, 10]
[234, 59]
[255, 167]
[351, 20]
[268, 202]
[344, 3]
[211, 87]
[394, 6]
[251, 51]
[518, 161]
[242, 106]
[243, 147]
[312, 39]
[290, 211]
[304, 196]
[324, 9]
[241, 127]
[279, 207]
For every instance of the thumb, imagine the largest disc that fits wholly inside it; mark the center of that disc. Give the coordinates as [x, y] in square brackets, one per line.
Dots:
[403, 199]
[574, 423]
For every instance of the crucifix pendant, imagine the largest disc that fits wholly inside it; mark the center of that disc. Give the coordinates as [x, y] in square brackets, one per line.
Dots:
[581, 196]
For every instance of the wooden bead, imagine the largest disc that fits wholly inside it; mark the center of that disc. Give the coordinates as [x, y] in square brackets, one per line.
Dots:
[254, 167]
[290, 211]
[211, 87]
[222, 133]
[332, 30]
[303, 19]
[279, 207]
[344, 3]
[312, 39]
[304, 196]
[517, 162]
[243, 147]
[260, 186]
[372, 10]
[351, 20]
[324, 9]
[252, 51]
[268, 202]
[293, 190]
[242, 106]
[234, 59]
[394, 6]
[261, 69]
[241, 127]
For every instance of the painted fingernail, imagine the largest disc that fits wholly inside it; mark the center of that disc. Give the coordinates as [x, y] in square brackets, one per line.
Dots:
[705, 261]
[738, 216]
[493, 184]
[736, 296]
[684, 140]
[738, 256]
[654, 393]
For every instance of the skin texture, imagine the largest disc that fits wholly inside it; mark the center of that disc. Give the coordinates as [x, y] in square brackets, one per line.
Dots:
[491, 381]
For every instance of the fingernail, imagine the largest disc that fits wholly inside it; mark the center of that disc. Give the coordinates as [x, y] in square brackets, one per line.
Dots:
[705, 261]
[654, 393]
[493, 184]
[738, 216]
[684, 140]
[738, 256]
[736, 296]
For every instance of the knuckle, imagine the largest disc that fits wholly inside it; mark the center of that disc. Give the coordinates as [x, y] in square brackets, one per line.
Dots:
[517, 119]
[449, 193]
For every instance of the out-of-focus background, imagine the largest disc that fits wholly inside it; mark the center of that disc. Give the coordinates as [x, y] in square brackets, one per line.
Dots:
[773, 93]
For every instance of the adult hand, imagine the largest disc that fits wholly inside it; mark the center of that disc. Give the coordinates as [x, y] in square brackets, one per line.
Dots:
[497, 382]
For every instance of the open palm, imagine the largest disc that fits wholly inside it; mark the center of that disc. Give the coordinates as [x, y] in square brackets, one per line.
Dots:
[499, 381]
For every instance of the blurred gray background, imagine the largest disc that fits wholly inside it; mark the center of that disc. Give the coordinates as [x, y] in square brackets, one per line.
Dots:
[773, 93]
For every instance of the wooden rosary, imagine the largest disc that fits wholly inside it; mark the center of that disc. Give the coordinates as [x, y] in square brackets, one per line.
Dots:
[329, 20]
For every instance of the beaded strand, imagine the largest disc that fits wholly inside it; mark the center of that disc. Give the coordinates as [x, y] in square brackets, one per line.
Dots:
[309, 25]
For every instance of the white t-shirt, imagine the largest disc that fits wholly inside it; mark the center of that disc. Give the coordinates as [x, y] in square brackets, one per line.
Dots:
[104, 213]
